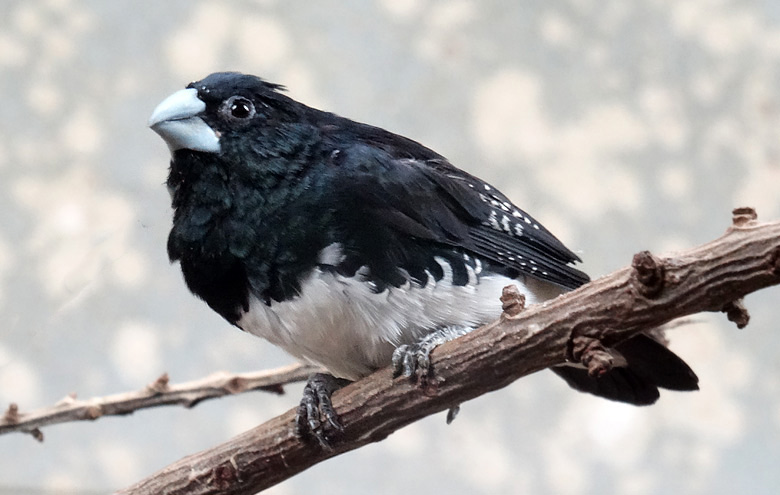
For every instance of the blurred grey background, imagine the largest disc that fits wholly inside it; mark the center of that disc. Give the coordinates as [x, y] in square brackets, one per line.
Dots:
[622, 126]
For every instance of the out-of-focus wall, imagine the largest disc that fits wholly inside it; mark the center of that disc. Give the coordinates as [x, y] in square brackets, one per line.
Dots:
[622, 126]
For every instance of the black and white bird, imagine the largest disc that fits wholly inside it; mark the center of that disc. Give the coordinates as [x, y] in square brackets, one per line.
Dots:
[353, 247]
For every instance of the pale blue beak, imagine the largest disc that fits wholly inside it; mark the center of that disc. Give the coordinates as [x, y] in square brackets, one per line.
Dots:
[177, 121]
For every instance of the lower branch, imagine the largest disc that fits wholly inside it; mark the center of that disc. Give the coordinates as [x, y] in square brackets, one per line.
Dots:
[158, 393]
[651, 292]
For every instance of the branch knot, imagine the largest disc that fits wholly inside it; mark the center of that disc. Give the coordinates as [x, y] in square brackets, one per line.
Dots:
[12, 413]
[743, 216]
[592, 354]
[737, 312]
[648, 274]
[160, 385]
[512, 301]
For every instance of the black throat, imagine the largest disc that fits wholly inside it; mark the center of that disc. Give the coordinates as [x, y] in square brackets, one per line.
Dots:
[238, 232]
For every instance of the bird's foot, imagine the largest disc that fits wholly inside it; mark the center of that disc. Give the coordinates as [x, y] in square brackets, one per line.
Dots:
[414, 360]
[316, 416]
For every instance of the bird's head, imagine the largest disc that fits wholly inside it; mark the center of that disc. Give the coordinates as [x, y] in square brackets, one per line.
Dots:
[211, 113]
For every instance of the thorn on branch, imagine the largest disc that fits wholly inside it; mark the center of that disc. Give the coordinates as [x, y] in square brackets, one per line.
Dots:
[648, 274]
[512, 301]
[743, 216]
[12, 413]
[160, 385]
[592, 354]
[737, 312]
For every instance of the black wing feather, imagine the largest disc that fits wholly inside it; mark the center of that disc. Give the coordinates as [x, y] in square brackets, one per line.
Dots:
[431, 200]
[505, 233]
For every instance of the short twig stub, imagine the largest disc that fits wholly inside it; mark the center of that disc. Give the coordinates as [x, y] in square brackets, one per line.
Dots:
[160, 385]
[592, 354]
[512, 301]
[743, 216]
[12, 413]
[648, 274]
[737, 312]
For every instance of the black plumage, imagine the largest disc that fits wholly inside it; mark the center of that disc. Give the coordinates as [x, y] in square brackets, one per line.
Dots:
[269, 194]
[339, 176]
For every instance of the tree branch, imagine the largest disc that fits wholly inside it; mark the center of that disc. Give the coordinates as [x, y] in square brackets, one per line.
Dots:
[651, 292]
[157, 393]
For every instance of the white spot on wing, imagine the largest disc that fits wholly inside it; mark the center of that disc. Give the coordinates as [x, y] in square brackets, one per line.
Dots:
[505, 224]
[493, 220]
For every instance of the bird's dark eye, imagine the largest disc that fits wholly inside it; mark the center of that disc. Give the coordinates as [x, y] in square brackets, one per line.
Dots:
[239, 108]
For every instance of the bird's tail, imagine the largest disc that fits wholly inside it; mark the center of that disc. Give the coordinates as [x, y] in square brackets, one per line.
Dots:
[649, 365]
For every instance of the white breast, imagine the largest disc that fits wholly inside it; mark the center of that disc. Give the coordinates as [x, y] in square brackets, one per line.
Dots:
[342, 324]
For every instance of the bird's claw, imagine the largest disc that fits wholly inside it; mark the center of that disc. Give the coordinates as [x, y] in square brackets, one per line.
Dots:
[316, 416]
[414, 360]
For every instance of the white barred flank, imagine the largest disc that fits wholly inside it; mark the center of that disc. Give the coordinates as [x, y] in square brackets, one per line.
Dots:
[341, 323]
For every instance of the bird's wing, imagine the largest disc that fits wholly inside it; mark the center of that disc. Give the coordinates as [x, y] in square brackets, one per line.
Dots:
[431, 200]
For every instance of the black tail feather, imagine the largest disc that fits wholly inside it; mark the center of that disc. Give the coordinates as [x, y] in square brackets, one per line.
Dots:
[650, 365]
[649, 358]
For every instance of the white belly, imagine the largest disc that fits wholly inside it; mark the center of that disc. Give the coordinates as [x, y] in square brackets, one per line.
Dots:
[340, 323]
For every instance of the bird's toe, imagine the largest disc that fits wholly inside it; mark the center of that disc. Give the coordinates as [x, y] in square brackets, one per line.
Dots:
[316, 417]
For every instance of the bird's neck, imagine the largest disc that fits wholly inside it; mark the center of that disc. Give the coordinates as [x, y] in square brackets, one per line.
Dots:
[241, 227]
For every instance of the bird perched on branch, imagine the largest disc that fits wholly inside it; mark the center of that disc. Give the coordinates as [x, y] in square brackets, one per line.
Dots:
[353, 247]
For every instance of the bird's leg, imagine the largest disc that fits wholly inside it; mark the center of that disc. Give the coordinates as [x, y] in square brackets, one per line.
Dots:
[414, 360]
[316, 408]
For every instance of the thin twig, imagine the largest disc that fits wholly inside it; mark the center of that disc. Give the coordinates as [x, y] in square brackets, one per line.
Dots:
[157, 393]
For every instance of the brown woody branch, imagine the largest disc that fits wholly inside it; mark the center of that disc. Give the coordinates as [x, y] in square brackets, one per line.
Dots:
[639, 298]
[157, 393]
